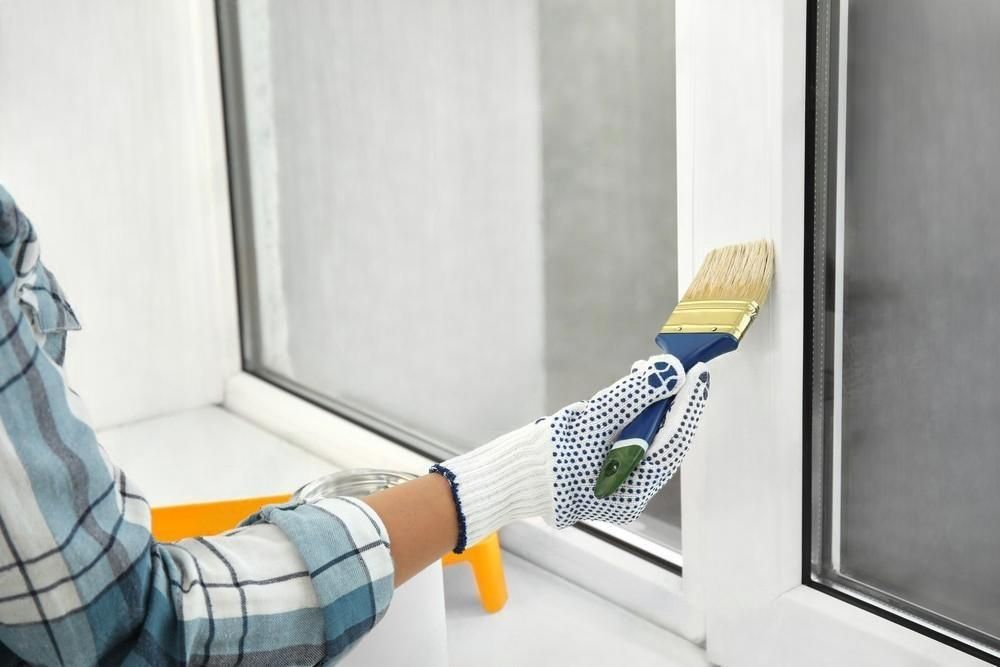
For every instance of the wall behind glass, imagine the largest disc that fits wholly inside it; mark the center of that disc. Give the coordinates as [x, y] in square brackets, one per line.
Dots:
[464, 212]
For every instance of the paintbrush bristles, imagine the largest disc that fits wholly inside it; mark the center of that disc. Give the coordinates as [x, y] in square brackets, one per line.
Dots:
[734, 272]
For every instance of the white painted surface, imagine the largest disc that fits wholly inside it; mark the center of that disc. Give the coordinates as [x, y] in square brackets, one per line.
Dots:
[549, 621]
[111, 142]
[644, 589]
[741, 126]
[744, 119]
[808, 627]
[208, 454]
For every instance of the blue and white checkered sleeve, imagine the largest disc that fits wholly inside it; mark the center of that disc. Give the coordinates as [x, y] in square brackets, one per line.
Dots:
[296, 584]
[82, 582]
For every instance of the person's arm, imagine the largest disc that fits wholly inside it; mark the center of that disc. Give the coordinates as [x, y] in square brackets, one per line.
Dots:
[81, 579]
[547, 469]
[421, 520]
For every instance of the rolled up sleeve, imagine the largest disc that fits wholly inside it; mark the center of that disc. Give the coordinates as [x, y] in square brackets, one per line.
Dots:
[83, 582]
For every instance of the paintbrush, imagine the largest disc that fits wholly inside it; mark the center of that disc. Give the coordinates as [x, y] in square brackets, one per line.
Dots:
[715, 312]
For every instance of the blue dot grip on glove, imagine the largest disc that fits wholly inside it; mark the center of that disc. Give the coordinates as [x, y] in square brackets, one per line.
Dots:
[548, 468]
[634, 440]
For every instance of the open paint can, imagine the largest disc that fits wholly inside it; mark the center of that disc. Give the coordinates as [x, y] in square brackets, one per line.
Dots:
[354, 483]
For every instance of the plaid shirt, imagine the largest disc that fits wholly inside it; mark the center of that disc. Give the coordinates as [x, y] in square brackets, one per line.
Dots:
[82, 582]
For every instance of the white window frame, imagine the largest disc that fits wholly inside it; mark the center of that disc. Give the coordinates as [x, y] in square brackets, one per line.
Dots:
[741, 160]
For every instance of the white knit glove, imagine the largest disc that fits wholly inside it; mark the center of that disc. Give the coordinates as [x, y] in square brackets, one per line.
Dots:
[549, 468]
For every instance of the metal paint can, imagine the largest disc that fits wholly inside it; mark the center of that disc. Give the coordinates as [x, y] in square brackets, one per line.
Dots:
[354, 483]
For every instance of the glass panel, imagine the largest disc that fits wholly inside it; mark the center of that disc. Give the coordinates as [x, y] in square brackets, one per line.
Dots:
[912, 506]
[461, 214]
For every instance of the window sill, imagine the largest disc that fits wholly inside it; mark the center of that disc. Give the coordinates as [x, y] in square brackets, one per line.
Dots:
[205, 454]
[805, 626]
[549, 621]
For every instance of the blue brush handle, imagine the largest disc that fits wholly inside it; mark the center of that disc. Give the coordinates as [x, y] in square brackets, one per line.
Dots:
[620, 462]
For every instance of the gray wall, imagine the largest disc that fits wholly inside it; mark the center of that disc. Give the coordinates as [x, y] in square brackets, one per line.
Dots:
[408, 184]
[609, 173]
[921, 412]
[465, 210]
[609, 193]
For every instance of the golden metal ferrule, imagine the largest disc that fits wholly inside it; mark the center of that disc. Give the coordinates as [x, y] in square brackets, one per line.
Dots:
[728, 317]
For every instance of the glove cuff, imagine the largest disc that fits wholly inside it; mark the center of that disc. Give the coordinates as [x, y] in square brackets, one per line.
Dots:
[507, 479]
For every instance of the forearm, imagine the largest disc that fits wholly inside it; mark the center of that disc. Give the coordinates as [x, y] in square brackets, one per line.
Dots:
[421, 520]
[506, 479]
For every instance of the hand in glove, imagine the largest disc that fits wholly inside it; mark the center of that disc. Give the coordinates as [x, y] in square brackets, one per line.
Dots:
[549, 468]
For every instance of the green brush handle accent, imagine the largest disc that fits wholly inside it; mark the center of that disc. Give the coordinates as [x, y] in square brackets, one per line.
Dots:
[689, 348]
[618, 464]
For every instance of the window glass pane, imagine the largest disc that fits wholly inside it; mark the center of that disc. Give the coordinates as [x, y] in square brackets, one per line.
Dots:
[913, 504]
[463, 213]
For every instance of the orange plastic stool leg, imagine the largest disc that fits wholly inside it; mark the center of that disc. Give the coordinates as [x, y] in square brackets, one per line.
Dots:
[487, 567]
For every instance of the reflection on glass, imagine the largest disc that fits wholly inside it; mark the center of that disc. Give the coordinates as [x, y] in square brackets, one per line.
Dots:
[463, 212]
[920, 460]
